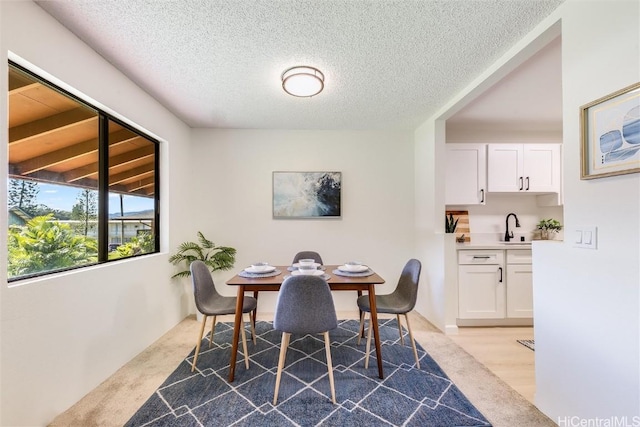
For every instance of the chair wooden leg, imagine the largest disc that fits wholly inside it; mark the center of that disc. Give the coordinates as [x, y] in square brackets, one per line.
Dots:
[195, 356]
[413, 341]
[400, 329]
[252, 319]
[244, 344]
[213, 327]
[284, 343]
[327, 346]
[361, 330]
[368, 348]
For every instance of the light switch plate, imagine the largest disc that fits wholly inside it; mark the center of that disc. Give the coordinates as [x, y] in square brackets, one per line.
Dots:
[586, 237]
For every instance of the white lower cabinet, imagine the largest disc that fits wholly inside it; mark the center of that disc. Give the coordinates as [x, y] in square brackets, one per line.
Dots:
[481, 292]
[490, 288]
[519, 284]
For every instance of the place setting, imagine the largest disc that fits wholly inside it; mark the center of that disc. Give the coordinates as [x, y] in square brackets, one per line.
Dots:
[353, 269]
[259, 269]
[308, 267]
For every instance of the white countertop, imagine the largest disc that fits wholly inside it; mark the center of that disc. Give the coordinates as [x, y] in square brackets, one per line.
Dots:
[494, 245]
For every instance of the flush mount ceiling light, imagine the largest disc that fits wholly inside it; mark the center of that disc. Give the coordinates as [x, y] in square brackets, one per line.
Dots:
[302, 81]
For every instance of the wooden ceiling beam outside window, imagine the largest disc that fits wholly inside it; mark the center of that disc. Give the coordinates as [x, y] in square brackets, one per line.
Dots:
[24, 133]
[70, 153]
[51, 139]
[146, 183]
[53, 158]
[135, 173]
[145, 153]
[19, 86]
[141, 154]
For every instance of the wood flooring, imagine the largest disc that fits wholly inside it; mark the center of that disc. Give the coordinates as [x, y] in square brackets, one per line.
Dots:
[497, 349]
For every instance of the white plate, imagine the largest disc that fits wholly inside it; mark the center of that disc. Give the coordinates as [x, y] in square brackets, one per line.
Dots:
[265, 269]
[353, 268]
[315, 273]
[297, 265]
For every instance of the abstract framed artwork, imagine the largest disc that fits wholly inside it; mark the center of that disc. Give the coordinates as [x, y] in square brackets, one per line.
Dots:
[307, 194]
[610, 128]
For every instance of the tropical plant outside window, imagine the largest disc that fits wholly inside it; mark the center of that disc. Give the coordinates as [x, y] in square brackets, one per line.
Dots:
[82, 186]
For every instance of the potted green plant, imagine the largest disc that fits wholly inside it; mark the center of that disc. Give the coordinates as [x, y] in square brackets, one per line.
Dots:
[215, 257]
[450, 224]
[548, 228]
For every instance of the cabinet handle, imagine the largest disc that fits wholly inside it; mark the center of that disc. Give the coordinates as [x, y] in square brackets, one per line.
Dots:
[500, 269]
[521, 185]
[482, 195]
[527, 183]
[481, 257]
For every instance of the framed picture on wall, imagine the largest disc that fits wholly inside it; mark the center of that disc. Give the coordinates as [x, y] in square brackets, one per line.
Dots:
[307, 194]
[610, 128]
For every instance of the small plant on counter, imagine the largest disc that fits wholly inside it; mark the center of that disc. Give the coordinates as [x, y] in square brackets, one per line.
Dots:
[548, 228]
[216, 257]
[450, 224]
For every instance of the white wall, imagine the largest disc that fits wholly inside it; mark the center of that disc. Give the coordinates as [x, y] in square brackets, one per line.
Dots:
[487, 222]
[501, 133]
[235, 187]
[436, 301]
[587, 306]
[64, 334]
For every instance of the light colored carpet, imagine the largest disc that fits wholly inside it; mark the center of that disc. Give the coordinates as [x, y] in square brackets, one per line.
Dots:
[119, 397]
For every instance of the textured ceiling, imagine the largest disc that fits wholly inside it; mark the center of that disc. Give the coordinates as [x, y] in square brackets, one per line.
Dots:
[530, 97]
[387, 64]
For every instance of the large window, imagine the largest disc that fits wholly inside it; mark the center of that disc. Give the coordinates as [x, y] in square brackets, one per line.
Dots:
[82, 186]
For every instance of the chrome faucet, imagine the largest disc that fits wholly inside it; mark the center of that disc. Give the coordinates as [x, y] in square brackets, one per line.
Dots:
[509, 235]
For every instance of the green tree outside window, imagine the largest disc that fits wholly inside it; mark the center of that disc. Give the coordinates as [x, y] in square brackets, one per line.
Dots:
[23, 194]
[44, 245]
[85, 212]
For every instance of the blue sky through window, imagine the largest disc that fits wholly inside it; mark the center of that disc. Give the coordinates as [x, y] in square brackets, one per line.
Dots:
[63, 197]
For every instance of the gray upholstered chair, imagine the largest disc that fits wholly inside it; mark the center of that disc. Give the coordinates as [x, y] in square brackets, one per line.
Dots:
[308, 255]
[304, 306]
[401, 301]
[210, 303]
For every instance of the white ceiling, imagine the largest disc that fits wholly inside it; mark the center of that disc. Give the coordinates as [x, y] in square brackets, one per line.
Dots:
[527, 98]
[388, 64]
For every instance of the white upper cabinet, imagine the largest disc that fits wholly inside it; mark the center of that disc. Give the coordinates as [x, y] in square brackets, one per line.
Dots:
[466, 174]
[542, 168]
[533, 168]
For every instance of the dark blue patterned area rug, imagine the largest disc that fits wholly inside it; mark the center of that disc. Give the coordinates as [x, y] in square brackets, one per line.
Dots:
[405, 397]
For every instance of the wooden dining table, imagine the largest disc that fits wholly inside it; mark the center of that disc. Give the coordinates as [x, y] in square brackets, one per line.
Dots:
[336, 283]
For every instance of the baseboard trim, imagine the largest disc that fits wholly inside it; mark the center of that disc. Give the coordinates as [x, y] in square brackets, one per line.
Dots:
[451, 330]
